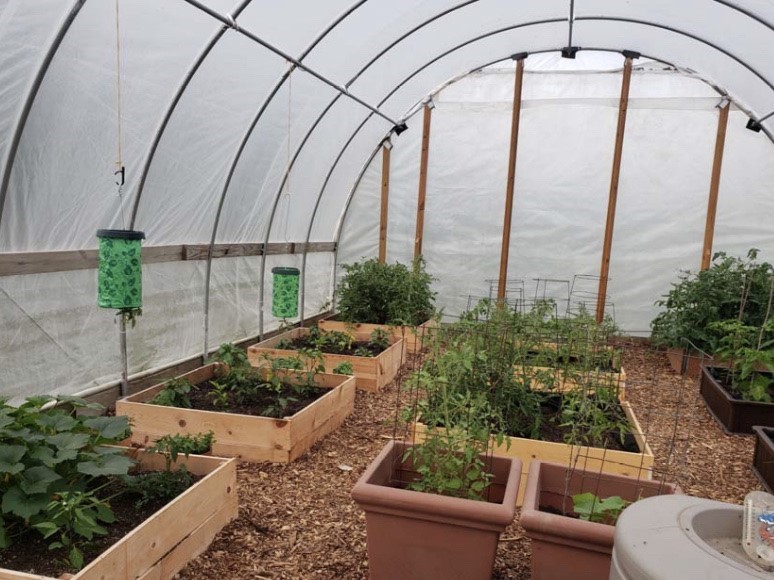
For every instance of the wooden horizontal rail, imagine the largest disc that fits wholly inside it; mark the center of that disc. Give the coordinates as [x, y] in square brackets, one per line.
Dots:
[18, 263]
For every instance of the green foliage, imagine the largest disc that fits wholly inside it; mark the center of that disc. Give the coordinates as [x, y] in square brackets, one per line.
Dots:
[591, 508]
[230, 355]
[172, 446]
[749, 351]
[52, 463]
[452, 461]
[731, 289]
[160, 486]
[378, 293]
[380, 338]
[344, 368]
[174, 394]
[590, 418]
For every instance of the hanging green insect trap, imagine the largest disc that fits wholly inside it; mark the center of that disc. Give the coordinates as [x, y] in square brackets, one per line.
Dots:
[284, 297]
[120, 269]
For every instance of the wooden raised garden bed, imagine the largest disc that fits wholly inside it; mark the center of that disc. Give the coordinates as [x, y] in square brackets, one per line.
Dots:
[247, 437]
[414, 337]
[763, 458]
[163, 544]
[734, 415]
[568, 380]
[371, 373]
[637, 465]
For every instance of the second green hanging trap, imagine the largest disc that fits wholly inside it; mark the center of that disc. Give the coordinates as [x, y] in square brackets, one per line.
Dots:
[284, 297]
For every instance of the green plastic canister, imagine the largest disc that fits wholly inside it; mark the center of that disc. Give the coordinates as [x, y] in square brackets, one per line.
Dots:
[120, 269]
[284, 297]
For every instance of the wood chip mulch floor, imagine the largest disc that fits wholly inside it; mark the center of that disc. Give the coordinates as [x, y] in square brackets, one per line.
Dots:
[298, 520]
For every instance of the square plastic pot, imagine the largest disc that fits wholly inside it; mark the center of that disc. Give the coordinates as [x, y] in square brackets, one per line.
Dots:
[415, 535]
[568, 547]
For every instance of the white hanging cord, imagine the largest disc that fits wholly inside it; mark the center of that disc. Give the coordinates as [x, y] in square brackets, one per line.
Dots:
[120, 162]
[287, 159]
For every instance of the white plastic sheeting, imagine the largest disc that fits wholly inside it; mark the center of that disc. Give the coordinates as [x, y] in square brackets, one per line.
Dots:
[567, 132]
[256, 150]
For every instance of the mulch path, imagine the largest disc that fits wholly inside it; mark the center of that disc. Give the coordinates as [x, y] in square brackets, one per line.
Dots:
[298, 520]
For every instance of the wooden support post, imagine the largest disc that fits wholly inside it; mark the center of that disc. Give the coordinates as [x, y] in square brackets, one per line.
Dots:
[385, 203]
[422, 182]
[712, 205]
[614, 178]
[515, 117]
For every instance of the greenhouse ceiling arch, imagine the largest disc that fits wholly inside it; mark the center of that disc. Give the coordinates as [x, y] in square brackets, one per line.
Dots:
[384, 54]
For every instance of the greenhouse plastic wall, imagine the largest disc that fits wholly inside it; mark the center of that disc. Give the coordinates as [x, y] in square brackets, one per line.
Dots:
[562, 181]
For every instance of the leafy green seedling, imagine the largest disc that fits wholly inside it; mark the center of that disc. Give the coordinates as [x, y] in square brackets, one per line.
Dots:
[591, 508]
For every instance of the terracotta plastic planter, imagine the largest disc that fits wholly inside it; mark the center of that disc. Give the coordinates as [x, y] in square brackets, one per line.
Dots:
[415, 535]
[763, 458]
[734, 415]
[567, 547]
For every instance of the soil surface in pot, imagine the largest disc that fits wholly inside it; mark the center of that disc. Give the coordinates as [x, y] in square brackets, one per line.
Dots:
[262, 401]
[356, 349]
[29, 552]
[724, 377]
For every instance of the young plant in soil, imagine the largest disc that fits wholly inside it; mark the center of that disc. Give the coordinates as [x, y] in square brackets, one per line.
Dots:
[452, 461]
[749, 352]
[288, 385]
[163, 486]
[591, 508]
[338, 342]
[379, 293]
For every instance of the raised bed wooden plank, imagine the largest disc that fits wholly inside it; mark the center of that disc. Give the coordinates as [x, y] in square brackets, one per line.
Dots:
[179, 531]
[247, 437]
[371, 373]
[565, 381]
[638, 465]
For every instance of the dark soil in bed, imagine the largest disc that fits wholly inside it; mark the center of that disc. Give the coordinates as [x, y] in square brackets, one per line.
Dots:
[304, 342]
[262, 403]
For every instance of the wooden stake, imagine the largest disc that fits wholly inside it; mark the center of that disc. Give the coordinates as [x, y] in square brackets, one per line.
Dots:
[712, 205]
[385, 204]
[614, 179]
[515, 117]
[422, 182]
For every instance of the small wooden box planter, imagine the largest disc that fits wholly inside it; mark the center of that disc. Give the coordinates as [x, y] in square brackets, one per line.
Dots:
[414, 535]
[371, 373]
[693, 363]
[566, 547]
[637, 465]
[163, 544]
[414, 337]
[734, 415]
[763, 457]
[246, 437]
[565, 381]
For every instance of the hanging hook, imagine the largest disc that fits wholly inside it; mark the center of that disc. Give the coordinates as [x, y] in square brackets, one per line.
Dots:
[122, 172]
